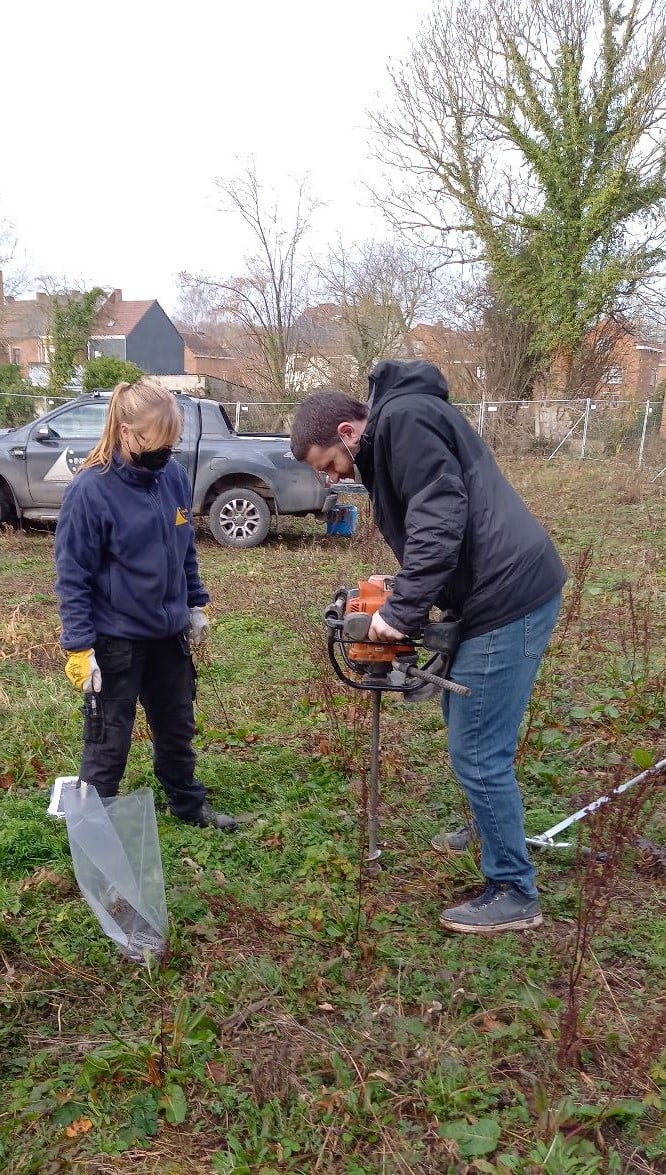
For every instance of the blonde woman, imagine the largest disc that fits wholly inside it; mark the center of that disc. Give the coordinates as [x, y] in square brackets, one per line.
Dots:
[131, 598]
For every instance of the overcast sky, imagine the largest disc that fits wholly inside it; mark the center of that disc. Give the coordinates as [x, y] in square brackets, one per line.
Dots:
[117, 119]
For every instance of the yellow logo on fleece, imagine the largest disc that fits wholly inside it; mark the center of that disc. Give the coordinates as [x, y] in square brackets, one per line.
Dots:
[181, 515]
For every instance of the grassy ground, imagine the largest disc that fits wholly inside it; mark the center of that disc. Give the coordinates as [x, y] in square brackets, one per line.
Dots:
[311, 1018]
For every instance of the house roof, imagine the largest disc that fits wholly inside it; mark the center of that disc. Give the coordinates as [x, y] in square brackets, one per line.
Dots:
[220, 339]
[119, 318]
[322, 328]
[201, 343]
[27, 318]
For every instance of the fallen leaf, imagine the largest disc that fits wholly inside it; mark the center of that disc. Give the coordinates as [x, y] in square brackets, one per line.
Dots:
[489, 1023]
[192, 864]
[326, 1007]
[39, 769]
[7, 780]
[324, 745]
[44, 876]
[80, 1126]
[154, 1075]
[273, 842]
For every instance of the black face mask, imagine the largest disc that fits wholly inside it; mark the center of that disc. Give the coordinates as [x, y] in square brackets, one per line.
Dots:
[152, 459]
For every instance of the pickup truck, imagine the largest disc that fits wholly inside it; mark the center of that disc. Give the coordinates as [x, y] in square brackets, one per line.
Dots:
[238, 481]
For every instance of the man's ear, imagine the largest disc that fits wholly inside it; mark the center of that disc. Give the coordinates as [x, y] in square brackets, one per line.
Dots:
[346, 431]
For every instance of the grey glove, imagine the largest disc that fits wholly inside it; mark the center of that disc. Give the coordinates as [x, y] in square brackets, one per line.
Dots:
[199, 626]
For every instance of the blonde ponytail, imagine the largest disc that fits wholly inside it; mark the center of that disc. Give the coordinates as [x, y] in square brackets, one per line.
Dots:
[141, 405]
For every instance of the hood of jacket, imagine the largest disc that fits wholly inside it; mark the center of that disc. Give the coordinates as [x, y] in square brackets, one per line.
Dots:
[396, 377]
[388, 380]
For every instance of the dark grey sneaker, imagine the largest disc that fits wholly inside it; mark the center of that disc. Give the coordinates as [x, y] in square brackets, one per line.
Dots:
[500, 907]
[209, 818]
[455, 842]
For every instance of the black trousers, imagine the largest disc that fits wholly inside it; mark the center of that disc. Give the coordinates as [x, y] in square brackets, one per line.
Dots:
[161, 675]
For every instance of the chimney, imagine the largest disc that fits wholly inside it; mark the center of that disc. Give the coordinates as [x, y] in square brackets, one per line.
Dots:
[40, 296]
[115, 296]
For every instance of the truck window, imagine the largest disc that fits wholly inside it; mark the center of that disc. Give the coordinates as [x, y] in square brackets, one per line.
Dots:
[81, 420]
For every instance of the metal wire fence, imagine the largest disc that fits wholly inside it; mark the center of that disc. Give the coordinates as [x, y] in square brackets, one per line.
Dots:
[591, 429]
[584, 428]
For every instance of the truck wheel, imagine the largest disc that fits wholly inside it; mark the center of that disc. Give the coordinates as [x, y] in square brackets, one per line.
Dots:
[239, 518]
[7, 512]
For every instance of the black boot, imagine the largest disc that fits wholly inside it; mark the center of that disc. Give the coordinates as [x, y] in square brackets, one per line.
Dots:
[207, 818]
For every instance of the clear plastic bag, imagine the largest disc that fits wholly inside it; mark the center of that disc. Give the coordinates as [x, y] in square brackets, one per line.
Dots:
[118, 866]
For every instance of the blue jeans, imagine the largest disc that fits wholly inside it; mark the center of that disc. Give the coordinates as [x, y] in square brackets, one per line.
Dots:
[500, 668]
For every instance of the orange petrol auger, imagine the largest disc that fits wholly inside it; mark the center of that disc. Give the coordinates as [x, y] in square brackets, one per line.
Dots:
[386, 668]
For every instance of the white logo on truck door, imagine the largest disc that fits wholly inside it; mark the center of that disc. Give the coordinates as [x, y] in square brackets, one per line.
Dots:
[65, 467]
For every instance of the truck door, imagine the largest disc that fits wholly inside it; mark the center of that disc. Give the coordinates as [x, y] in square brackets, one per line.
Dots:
[185, 449]
[57, 448]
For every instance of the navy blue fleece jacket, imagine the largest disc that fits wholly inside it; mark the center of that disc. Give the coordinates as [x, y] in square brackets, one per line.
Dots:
[126, 563]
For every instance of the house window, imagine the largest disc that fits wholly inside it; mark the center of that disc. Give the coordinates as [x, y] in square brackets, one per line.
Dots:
[613, 375]
[15, 355]
[41, 351]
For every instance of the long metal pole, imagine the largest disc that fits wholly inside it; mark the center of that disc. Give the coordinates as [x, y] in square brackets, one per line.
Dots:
[374, 850]
[566, 438]
[645, 424]
[585, 427]
[546, 839]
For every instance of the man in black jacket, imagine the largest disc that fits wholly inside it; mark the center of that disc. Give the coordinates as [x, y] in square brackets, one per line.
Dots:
[465, 541]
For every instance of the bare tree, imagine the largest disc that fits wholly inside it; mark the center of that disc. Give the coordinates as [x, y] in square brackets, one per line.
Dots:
[377, 288]
[12, 276]
[265, 302]
[197, 304]
[530, 136]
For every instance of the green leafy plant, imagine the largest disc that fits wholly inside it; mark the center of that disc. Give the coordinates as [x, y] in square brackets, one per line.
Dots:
[106, 371]
[71, 322]
[17, 397]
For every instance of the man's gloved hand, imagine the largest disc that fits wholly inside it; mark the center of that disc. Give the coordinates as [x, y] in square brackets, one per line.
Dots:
[83, 671]
[199, 625]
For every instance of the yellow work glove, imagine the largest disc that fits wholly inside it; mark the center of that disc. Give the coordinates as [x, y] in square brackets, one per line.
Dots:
[83, 671]
[199, 625]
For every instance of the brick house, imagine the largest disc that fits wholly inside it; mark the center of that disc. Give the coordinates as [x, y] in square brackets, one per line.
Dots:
[139, 332]
[225, 363]
[24, 333]
[457, 353]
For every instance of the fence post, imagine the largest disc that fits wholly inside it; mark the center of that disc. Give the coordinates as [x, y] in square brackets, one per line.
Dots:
[237, 418]
[482, 416]
[643, 432]
[587, 421]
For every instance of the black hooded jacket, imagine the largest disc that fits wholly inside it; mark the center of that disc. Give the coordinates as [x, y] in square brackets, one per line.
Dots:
[463, 537]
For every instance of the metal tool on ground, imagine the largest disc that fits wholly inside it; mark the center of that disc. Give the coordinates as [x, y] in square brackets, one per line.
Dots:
[547, 839]
[380, 668]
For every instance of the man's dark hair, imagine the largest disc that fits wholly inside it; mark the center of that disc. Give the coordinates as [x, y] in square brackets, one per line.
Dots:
[317, 419]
